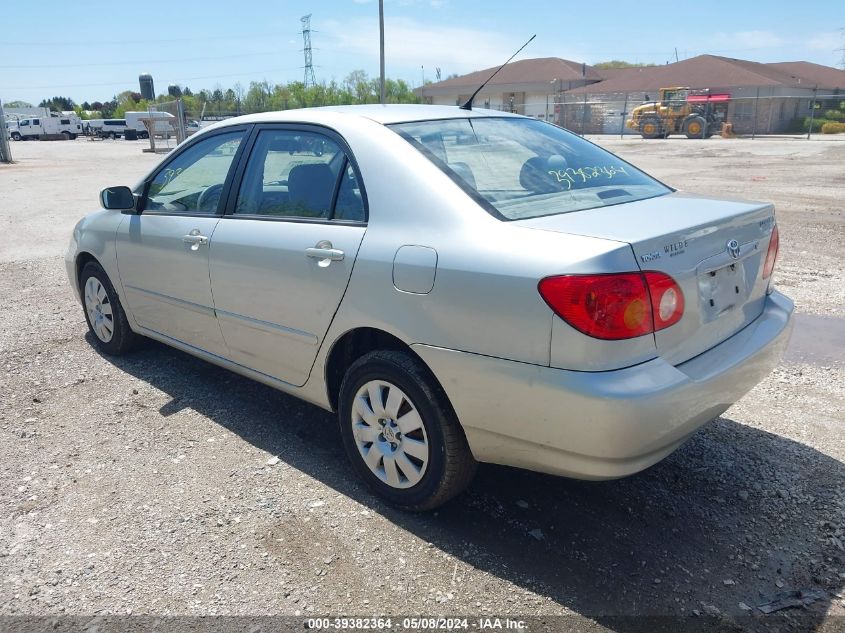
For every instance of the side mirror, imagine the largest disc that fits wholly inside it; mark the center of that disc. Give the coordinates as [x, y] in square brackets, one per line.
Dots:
[118, 199]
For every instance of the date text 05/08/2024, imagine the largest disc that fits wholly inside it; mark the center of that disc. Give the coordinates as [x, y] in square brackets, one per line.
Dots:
[416, 624]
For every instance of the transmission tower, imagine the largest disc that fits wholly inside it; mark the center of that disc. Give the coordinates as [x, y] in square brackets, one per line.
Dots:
[306, 40]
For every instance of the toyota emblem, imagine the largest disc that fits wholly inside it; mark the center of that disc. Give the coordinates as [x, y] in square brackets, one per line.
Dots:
[733, 248]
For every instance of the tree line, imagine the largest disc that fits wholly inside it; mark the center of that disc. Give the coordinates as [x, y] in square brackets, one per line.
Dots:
[260, 96]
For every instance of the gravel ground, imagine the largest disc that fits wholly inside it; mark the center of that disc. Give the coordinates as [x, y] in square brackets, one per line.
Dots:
[150, 485]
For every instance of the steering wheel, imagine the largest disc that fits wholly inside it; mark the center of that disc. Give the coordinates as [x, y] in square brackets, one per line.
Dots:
[209, 199]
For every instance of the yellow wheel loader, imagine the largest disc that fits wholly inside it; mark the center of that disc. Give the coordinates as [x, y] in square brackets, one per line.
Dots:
[672, 113]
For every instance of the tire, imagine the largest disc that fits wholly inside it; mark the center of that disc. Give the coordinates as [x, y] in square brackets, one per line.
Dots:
[650, 127]
[112, 135]
[694, 127]
[16, 136]
[67, 136]
[428, 459]
[103, 310]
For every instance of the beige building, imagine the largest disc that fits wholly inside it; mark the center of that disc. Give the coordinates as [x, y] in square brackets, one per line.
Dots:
[765, 98]
[528, 86]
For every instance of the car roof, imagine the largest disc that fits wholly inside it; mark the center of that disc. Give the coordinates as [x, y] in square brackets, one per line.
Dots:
[385, 114]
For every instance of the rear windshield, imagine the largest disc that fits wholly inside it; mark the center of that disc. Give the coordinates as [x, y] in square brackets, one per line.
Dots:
[522, 168]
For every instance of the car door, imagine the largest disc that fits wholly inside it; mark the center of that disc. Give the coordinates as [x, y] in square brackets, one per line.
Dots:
[282, 255]
[162, 251]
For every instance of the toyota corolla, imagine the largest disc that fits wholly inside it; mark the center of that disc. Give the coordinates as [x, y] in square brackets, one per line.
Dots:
[461, 286]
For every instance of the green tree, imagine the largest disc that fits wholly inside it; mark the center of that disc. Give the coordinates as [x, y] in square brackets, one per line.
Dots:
[58, 104]
[618, 63]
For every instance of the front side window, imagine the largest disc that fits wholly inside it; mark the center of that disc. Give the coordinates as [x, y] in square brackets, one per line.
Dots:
[520, 168]
[193, 181]
[291, 173]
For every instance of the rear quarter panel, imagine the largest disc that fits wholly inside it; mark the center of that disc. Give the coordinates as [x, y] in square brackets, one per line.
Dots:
[485, 298]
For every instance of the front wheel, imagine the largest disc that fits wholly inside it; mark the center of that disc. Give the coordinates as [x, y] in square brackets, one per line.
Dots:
[400, 432]
[694, 127]
[16, 136]
[103, 312]
[650, 127]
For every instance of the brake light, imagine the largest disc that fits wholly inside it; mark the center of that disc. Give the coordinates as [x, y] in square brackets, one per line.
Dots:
[772, 253]
[615, 306]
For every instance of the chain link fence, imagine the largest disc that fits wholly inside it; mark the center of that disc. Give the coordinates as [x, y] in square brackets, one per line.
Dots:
[692, 115]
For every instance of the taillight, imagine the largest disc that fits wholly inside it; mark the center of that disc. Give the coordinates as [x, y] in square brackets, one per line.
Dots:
[667, 300]
[615, 306]
[772, 253]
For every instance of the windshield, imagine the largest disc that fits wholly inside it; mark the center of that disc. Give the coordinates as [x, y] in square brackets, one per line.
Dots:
[521, 168]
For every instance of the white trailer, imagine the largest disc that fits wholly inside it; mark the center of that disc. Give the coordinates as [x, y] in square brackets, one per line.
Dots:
[111, 128]
[165, 123]
[48, 128]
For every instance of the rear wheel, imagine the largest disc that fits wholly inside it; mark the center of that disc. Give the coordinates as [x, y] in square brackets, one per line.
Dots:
[103, 312]
[400, 432]
[66, 136]
[694, 127]
[650, 127]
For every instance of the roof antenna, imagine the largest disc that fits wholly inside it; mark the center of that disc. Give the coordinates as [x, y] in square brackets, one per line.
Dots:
[468, 104]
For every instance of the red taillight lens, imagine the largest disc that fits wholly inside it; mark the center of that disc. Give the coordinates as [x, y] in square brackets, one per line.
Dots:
[772, 253]
[615, 306]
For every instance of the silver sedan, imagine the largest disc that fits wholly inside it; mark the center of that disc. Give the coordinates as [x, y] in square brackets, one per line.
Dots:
[460, 286]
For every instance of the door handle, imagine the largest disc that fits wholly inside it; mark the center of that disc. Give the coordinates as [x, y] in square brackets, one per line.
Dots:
[324, 252]
[195, 239]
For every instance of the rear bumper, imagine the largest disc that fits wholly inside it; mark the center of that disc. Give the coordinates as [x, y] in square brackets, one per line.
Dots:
[603, 425]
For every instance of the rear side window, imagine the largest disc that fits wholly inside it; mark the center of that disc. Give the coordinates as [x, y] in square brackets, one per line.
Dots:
[350, 202]
[520, 168]
[297, 174]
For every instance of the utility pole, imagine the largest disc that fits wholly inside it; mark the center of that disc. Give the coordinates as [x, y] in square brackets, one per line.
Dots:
[381, 45]
[5, 151]
[841, 49]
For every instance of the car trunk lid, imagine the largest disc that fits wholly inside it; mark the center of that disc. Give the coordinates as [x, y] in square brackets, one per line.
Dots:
[714, 249]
